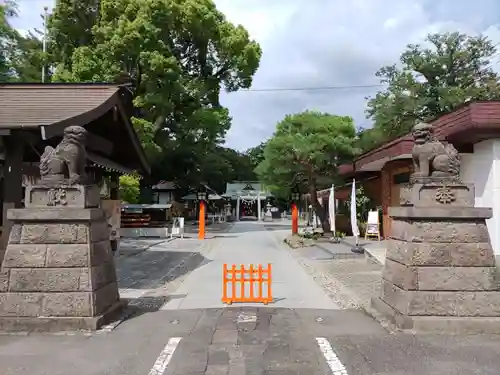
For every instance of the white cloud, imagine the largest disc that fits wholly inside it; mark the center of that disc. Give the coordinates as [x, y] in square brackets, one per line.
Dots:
[310, 43]
[30, 14]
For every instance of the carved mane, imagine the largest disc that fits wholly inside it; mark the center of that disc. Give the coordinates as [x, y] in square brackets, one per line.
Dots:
[45, 161]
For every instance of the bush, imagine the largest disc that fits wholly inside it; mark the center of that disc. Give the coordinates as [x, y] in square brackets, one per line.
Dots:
[129, 189]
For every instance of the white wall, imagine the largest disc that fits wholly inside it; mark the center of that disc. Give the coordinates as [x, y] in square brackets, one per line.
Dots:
[482, 168]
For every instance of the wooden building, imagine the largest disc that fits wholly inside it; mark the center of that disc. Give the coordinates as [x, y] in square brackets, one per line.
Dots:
[35, 115]
[474, 130]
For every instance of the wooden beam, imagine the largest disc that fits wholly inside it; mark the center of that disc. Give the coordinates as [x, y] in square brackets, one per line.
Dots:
[30, 137]
[97, 143]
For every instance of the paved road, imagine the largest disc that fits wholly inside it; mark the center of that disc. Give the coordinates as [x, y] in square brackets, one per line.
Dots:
[250, 243]
[302, 333]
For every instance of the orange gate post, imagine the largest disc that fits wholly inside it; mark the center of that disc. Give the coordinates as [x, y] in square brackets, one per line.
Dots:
[295, 219]
[201, 219]
[246, 277]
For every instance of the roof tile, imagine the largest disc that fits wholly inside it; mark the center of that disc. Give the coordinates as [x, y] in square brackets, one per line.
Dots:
[33, 105]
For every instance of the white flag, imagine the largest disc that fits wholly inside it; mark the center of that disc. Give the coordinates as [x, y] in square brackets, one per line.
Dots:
[318, 221]
[331, 209]
[354, 220]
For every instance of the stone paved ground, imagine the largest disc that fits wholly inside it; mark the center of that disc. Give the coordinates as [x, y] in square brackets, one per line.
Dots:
[249, 341]
[173, 332]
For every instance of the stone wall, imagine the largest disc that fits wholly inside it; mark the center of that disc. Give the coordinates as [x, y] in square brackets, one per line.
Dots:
[58, 272]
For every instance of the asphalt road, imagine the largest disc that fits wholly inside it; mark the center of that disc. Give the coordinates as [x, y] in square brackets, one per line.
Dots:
[185, 329]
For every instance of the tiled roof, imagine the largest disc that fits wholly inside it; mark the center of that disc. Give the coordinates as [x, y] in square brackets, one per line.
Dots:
[33, 105]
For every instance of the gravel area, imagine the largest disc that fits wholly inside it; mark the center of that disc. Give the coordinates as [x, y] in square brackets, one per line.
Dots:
[350, 283]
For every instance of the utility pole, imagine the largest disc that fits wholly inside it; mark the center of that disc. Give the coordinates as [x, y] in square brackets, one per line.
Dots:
[44, 40]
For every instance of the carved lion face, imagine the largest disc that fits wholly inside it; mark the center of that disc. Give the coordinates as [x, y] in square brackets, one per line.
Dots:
[75, 134]
[422, 133]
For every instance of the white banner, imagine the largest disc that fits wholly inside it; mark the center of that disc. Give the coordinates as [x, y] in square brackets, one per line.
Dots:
[331, 209]
[354, 219]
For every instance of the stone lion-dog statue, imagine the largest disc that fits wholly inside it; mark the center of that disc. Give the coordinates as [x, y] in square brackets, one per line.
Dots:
[67, 161]
[431, 158]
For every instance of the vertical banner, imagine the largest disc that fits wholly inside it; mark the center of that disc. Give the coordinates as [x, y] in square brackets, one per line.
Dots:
[331, 209]
[354, 216]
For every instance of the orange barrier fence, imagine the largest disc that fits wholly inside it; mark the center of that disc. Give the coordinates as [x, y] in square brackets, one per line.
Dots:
[247, 278]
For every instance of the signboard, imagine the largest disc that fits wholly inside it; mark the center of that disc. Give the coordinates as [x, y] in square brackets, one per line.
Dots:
[112, 211]
[372, 229]
[372, 225]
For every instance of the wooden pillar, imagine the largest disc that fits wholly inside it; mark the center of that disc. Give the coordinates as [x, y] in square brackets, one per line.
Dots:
[12, 183]
[114, 186]
[386, 200]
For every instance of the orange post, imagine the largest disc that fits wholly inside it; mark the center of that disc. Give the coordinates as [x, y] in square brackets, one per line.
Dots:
[295, 219]
[247, 279]
[201, 227]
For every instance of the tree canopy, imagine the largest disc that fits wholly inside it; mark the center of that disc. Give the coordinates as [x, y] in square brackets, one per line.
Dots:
[176, 54]
[304, 152]
[256, 154]
[7, 40]
[432, 79]
[21, 57]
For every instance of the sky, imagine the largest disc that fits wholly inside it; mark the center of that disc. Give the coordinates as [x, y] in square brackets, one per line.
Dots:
[310, 44]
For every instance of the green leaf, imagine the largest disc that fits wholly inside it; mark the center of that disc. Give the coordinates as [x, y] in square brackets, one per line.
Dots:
[433, 79]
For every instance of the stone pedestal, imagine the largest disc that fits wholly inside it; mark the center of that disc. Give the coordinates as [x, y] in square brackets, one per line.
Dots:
[58, 272]
[440, 273]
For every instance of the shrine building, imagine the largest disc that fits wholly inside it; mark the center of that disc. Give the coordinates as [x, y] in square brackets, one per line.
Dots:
[34, 115]
[247, 198]
[473, 129]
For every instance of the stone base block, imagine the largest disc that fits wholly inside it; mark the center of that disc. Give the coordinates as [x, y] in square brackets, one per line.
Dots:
[47, 194]
[441, 303]
[436, 324]
[427, 194]
[61, 324]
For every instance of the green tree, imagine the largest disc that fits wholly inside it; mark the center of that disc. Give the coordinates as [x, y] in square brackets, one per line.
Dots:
[8, 40]
[433, 79]
[256, 154]
[29, 58]
[370, 138]
[176, 54]
[305, 151]
[129, 189]
[70, 27]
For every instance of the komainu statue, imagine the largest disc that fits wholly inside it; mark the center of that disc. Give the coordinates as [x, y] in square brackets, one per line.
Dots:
[66, 162]
[431, 158]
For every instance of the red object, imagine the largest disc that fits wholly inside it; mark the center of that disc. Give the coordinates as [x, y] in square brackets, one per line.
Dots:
[249, 277]
[201, 227]
[295, 219]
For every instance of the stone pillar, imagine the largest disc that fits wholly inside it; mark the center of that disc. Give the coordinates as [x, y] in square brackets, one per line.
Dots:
[440, 274]
[58, 272]
[238, 208]
[259, 208]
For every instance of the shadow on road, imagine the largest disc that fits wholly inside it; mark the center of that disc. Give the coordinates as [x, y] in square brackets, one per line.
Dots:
[153, 269]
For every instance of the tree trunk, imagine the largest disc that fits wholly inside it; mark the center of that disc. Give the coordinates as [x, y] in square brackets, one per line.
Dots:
[318, 208]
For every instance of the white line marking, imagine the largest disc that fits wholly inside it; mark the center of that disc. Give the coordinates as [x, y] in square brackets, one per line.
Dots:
[246, 318]
[331, 358]
[165, 356]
